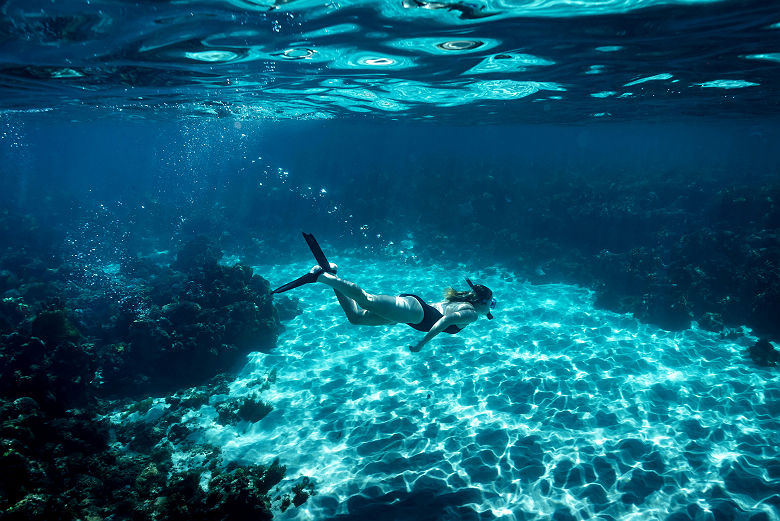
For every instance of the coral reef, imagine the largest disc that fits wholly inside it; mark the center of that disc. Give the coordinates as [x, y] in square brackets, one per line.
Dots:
[667, 249]
[249, 409]
[183, 327]
[55, 373]
[763, 353]
[63, 468]
[65, 347]
[60, 462]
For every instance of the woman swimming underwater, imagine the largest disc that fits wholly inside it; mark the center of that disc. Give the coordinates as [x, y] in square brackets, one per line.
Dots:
[456, 311]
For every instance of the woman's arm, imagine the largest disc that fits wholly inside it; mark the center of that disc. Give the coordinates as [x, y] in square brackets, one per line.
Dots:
[461, 317]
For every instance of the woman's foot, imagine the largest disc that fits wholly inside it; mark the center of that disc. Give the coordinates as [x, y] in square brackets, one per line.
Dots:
[313, 275]
[317, 270]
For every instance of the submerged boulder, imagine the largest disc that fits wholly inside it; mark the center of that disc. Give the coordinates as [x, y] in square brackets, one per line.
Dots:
[199, 254]
[198, 319]
[763, 353]
[56, 375]
[53, 326]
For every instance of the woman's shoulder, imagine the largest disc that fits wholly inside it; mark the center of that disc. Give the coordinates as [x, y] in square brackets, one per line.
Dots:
[466, 312]
[454, 307]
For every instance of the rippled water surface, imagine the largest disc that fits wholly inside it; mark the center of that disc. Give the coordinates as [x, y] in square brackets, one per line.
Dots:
[470, 60]
[545, 133]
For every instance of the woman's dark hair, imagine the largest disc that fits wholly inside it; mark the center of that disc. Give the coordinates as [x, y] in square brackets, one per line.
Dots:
[478, 294]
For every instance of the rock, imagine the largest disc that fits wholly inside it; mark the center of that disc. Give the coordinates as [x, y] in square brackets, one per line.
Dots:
[53, 326]
[302, 491]
[150, 481]
[242, 493]
[34, 506]
[26, 406]
[181, 313]
[711, 322]
[763, 353]
[12, 311]
[253, 410]
[198, 255]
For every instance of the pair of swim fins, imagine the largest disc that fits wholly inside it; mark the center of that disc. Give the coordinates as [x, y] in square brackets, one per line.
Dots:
[309, 277]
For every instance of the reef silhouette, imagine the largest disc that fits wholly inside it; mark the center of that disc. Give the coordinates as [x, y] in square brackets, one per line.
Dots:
[62, 369]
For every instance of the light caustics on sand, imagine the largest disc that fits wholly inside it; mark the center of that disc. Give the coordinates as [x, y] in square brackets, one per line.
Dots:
[555, 404]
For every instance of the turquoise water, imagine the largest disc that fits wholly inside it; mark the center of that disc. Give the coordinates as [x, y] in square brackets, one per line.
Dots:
[554, 407]
[573, 403]
[607, 167]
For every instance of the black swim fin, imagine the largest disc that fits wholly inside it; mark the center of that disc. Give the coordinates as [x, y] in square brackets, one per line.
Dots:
[309, 277]
[300, 281]
[317, 251]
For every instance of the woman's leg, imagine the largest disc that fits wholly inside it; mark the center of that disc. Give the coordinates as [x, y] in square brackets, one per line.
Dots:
[359, 316]
[387, 307]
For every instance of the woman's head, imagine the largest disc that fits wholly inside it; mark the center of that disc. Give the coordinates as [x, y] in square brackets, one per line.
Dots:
[478, 296]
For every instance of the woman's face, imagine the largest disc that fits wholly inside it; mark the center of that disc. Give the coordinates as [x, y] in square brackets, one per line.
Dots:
[483, 307]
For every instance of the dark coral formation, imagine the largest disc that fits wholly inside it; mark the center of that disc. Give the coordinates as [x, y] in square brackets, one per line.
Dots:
[249, 409]
[54, 465]
[159, 328]
[665, 248]
[187, 324]
[53, 368]
[58, 463]
[65, 346]
[61, 467]
[763, 353]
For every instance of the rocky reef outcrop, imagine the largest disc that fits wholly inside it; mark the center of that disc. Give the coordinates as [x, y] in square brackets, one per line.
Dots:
[668, 248]
[67, 348]
[186, 323]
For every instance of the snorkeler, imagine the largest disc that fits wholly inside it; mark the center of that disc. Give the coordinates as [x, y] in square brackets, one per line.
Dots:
[459, 308]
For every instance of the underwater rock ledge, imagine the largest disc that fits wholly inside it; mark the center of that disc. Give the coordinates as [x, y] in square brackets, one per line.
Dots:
[666, 249]
[185, 323]
[65, 348]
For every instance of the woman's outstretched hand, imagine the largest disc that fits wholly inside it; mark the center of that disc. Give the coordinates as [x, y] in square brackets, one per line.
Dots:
[416, 347]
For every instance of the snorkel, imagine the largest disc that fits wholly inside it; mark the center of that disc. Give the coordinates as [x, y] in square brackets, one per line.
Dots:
[483, 293]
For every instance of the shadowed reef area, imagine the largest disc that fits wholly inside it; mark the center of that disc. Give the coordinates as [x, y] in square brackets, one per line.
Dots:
[71, 353]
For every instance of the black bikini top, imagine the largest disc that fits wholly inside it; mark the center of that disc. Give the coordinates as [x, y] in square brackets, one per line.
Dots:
[431, 315]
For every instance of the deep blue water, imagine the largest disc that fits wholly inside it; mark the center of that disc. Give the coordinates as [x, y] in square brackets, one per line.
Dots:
[609, 168]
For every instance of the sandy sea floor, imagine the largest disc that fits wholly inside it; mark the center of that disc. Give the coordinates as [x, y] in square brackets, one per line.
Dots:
[553, 408]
